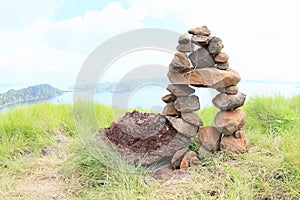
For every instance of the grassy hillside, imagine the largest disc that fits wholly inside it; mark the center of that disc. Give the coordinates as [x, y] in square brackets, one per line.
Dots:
[270, 170]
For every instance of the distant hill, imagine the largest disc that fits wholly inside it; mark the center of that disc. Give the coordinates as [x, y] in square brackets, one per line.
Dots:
[37, 92]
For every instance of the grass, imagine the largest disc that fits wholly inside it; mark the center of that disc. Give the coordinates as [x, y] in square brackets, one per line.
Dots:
[85, 169]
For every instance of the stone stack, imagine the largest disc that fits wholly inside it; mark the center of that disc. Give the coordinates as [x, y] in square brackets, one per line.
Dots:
[200, 62]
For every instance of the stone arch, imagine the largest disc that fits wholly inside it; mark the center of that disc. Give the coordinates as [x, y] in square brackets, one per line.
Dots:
[200, 62]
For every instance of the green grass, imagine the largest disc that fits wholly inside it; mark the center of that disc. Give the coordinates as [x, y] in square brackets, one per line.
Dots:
[86, 169]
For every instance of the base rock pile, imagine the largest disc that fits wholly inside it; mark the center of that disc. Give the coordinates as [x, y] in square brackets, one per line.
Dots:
[200, 62]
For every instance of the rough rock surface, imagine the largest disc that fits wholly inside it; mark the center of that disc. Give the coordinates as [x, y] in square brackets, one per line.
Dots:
[169, 98]
[229, 102]
[238, 145]
[206, 77]
[203, 30]
[183, 127]
[185, 48]
[180, 63]
[229, 90]
[170, 110]
[228, 122]
[221, 57]
[177, 158]
[184, 39]
[201, 59]
[192, 118]
[180, 90]
[187, 104]
[215, 46]
[209, 138]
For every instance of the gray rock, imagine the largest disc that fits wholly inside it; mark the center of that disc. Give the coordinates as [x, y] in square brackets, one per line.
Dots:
[201, 59]
[215, 46]
[185, 48]
[169, 98]
[229, 90]
[188, 130]
[180, 90]
[184, 39]
[192, 118]
[180, 63]
[170, 110]
[187, 104]
[227, 102]
[222, 66]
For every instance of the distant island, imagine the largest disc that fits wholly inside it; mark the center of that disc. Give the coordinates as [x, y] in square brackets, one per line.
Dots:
[32, 93]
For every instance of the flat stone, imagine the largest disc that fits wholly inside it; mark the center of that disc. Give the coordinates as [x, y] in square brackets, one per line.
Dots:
[209, 138]
[221, 57]
[206, 77]
[222, 66]
[184, 39]
[168, 98]
[192, 118]
[185, 48]
[180, 90]
[180, 63]
[187, 104]
[228, 122]
[188, 130]
[177, 158]
[203, 30]
[170, 110]
[201, 40]
[237, 145]
[215, 46]
[201, 58]
[229, 90]
[227, 102]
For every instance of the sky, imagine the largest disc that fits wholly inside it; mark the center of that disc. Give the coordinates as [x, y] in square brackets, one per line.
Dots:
[48, 41]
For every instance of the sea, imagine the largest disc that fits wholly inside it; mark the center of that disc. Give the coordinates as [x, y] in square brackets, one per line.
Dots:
[149, 96]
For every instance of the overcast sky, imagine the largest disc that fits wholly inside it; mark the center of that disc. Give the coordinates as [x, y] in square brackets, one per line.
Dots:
[47, 41]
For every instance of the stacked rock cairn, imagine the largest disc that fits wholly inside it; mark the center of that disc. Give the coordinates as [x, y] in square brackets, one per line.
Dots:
[200, 62]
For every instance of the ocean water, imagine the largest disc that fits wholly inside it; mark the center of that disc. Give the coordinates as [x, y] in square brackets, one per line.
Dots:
[149, 96]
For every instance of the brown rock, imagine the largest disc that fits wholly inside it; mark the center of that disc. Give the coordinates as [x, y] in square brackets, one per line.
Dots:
[209, 138]
[169, 98]
[203, 30]
[237, 145]
[229, 90]
[222, 66]
[186, 161]
[229, 102]
[187, 104]
[215, 46]
[170, 110]
[183, 127]
[207, 77]
[184, 165]
[230, 121]
[201, 40]
[177, 158]
[180, 63]
[185, 48]
[180, 90]
[221, 57]
[184, 39]
[192, 118]
[201, 59]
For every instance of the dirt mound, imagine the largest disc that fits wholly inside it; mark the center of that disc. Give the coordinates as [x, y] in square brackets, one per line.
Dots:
[141, 132]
